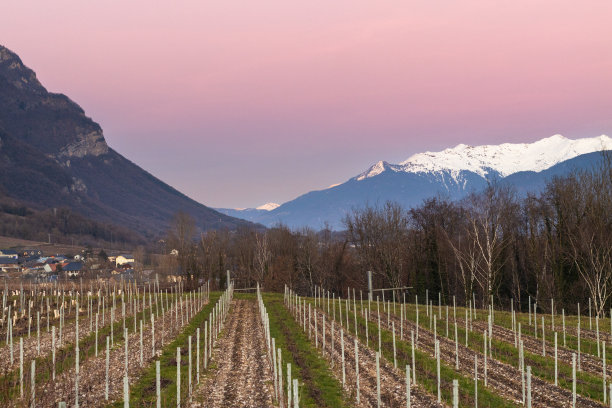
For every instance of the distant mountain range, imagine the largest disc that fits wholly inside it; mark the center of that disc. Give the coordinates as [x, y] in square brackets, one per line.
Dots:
[52, 155]
[451, 173]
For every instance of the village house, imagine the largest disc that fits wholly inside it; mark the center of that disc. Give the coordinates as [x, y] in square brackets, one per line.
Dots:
[124, 259]
[73, 269]
[9, 253]
[9, 264]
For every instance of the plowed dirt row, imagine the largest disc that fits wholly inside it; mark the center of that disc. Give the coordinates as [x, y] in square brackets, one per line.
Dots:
[503, 378]
[68, 336]
[242, 377]
[92, 371]
[588, 363]
[393, 381]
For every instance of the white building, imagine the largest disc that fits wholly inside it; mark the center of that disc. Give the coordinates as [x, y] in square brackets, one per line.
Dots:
[124, 259]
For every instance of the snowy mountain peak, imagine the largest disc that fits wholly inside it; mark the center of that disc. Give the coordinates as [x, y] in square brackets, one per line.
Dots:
[268, 206]
[506, 158]
[375, 170]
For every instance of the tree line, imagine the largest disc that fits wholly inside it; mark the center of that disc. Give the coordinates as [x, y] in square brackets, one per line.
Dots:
[494, 243]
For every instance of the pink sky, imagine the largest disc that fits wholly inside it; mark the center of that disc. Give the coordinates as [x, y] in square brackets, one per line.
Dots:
[241, 103]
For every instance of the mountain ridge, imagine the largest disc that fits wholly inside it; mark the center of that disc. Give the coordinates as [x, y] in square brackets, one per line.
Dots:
[53, 155]
[409, 182]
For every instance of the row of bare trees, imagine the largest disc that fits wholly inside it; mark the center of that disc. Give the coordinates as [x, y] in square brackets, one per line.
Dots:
[497, 243]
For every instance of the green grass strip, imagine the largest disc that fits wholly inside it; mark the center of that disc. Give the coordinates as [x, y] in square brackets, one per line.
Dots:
[142, 393]
[426, 367]
[321, 388]
[65, 358]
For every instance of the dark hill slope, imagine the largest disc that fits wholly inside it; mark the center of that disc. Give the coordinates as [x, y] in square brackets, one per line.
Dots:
[52, 155]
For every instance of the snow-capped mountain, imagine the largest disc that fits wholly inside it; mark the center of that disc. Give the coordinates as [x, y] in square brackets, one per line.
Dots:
[505, 159]
[268, 206]
[249, 213]
[452, 173]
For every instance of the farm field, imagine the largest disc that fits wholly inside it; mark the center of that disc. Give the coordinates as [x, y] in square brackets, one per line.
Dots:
[145, 346]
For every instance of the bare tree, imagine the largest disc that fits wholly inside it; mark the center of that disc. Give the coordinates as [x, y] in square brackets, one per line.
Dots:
[262, 256]
[485, 231]
[380, 238]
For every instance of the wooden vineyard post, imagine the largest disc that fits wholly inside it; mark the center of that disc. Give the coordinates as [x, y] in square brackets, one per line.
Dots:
[289, 393]
[543, 339]
[357, 369]
[279, 360]
[296, 400]
[438, 368]
[189, 365]
[107, 367]
[466, 328]
[528, 386]
[316, 330]
[603, 363]
[416, 305]
[574, 380]
[21, 367]
[578, 336]
[125, 340]
[205, 345]
[141, 345]
[456, 348]
[447, 321]
[323, 327]
[38, 333]
[407, 386]
[96, 350]
[53, 351]
[535, 320]
[342, 348]
[379, 330]
[126, 392]
[455, 393]
[198, 355]
[274, 368]
[394, 353]
[367, 317]
[556, 372]
[475, 381]
[33, 384]
[332, 344]
[157, 385]
[413, 361]
[485, 358]
[378, 379]
[152, 336]
[563, 317]
[178, 377]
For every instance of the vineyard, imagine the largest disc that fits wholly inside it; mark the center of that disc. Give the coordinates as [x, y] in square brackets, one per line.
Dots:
[147, 346]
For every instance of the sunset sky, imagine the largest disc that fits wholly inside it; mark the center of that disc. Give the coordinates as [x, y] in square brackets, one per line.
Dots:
[237, 103]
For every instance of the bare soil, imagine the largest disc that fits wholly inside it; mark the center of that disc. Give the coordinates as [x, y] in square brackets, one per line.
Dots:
[503, 378]
[243, 376]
